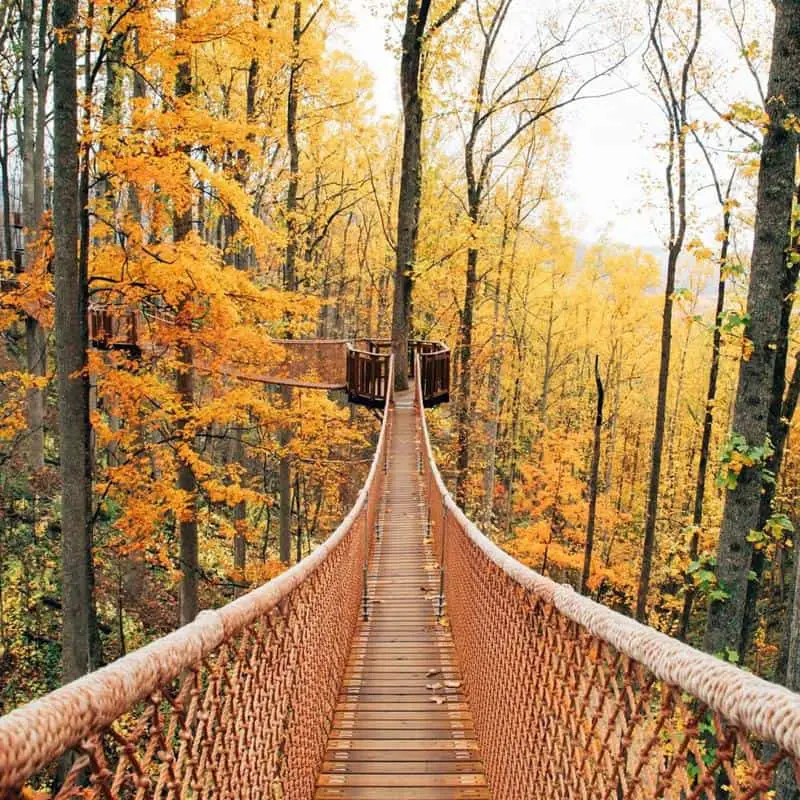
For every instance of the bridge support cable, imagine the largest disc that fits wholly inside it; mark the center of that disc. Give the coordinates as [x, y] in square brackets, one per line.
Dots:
[237, 704]
[573, 700]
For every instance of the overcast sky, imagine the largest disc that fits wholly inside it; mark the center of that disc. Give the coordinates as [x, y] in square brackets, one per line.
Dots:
[611, 155]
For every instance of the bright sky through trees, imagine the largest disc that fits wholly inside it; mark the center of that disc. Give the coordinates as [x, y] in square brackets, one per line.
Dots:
[611, 166]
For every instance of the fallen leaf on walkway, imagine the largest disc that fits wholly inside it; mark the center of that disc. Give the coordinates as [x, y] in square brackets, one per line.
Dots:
[452, 684]
[434, 686]
[431, 672]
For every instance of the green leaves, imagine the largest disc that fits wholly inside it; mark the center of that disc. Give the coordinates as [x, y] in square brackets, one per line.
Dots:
[776, 531]
[705, 578]
[731, 321]
[737, 455]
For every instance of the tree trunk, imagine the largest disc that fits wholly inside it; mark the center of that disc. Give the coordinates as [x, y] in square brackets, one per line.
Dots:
[708, 424]
[71, 291]
[494, 383]
[181, 227]
[35, 341]
[676, 113]
[758, 377]
[42, 79]
[8, 247]
[410, 185]
[290, 263]
[465, 378]
[598, 430]
[285, 485]
[290, 282]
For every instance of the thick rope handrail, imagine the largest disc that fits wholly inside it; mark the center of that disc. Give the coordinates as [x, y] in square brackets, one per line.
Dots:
[36, 734]
[754, 706]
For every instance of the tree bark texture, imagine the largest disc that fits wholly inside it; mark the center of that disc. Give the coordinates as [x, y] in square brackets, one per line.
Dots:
[595, 471]
[187, 482]
[410, 185]
[35, 341]
[708, 424]
[766, 307]
[71, 291]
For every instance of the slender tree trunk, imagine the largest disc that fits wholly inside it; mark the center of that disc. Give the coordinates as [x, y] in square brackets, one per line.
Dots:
[187, 483]
[494, 381]
[547, 367]
[676, 112]
[290, 262]
[42, 80]
[8, 246]
[598, 430]
[614, 374]
[708, 425]
[139, 94]
[766, 305]
[464, 405]
[35, 341]
[71, 353]
[285, 485]
[290, 281]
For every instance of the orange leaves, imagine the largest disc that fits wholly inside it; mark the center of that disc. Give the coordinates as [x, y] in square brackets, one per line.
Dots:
[13, 386]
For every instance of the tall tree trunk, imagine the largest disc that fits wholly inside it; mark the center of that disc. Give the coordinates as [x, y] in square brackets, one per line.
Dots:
[708, 425]
[778, 422]
[8, 246]
[290, 281]
[464, 404]
[181, 227]
[547, 367]
[789, 658]
[71, 290]
[598, 430]
[494, 382]
[410, 185]
[766, 306]
[42, 80]
[139, 93]
[676, 111]
[290, 262]
[35, 341]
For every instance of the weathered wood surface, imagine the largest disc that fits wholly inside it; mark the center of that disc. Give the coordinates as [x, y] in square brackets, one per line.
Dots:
[402, 728]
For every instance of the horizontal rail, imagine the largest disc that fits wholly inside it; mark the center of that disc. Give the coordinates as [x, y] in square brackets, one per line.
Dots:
[572, 699]
[237, 703]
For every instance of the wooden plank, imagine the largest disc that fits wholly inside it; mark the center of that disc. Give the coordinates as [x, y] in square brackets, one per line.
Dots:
[404, 781]
[402, 767]
[390, 793]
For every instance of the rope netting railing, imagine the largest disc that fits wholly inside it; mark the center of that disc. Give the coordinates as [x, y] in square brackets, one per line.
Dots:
[316, 362]
[237, 704]
[572, 700]
[303, 363]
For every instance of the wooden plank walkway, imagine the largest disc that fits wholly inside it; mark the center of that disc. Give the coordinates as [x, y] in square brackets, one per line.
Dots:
[402, 728]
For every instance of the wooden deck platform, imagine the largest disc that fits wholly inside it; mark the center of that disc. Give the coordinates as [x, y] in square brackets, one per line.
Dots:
[402, 729]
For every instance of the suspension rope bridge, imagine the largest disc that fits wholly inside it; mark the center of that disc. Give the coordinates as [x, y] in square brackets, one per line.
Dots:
[407, 657]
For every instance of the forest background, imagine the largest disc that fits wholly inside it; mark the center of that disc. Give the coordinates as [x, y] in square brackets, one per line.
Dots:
[240, 181]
